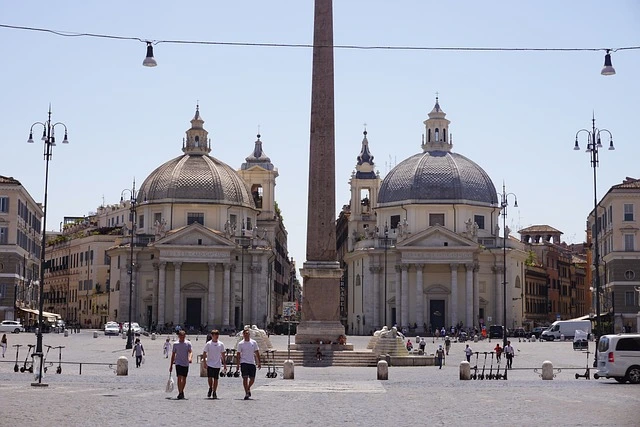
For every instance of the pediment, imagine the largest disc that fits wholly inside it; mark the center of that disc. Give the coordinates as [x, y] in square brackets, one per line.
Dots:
[194, 235]
[438, 237]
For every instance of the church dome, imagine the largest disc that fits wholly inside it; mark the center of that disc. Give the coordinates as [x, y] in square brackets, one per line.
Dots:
[437, 175]
[195, 176]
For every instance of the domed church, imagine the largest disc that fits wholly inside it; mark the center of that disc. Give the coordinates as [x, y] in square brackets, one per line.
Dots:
[420, 248]
[209, 244]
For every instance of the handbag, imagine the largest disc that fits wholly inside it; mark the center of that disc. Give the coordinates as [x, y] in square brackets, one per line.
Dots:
[170, 384]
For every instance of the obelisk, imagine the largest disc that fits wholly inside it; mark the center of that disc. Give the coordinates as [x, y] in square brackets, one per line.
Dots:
[321, 272]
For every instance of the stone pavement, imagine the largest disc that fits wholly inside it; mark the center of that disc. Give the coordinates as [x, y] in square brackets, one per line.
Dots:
[318, 396]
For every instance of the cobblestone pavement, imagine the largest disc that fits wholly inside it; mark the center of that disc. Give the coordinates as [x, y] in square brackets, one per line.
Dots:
[318, 396]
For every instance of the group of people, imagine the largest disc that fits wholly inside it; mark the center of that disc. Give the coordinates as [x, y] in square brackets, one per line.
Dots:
[247, 361]
[507, 350]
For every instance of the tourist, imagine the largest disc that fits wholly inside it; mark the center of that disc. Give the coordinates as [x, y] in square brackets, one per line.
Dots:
[422, 345]
[498, 351]
[439, 356]
[166, 348]
[138, 351]
[182, 356]
[3, 344]
[318, 353]
[248, 356]
[213, 353]
[409, 345]
[508, 351]
[447, 344]
[468, 352]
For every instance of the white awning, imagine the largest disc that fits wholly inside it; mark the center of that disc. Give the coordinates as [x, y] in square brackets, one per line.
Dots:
[52, 317]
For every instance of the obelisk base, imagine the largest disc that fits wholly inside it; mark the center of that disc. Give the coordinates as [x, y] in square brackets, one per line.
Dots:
[321, 303]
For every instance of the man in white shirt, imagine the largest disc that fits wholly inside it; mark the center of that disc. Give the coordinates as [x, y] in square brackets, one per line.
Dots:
[248, 355]
[509, 353]
[214, 354]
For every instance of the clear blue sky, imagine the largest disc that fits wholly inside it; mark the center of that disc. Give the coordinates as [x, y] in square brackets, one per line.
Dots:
[514, 113]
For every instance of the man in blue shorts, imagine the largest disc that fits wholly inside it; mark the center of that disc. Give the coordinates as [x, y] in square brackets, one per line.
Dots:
[182, 356]
[214, 354]
[248, 355]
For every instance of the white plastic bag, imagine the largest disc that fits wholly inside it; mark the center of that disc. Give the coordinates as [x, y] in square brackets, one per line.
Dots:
[170, 384]
[142, 360]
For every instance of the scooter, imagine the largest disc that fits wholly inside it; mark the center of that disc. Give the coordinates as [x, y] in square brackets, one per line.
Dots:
[44, 361]
[59, 368]
[490, 376]
[16, 368]
[484, 365]
[498, 375]
[271, 364]
[475, 368]
[28, 366]
[587, 373]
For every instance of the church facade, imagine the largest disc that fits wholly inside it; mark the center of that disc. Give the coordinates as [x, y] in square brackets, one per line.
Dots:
[207, 245]
[422, 247]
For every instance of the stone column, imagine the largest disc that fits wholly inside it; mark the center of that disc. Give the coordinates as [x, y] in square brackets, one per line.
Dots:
[154, 296]
[211, 296]
[375, 278]
[476, 295]
[176, 293]
[398, 296]
[321, 272]
[497, 304]
[405, 295]
[419, 295]
[255, 271]
[454, 294]
[226, 295]
[469, 296]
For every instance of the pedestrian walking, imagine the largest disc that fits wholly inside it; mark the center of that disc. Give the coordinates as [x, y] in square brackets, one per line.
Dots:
[214, 352]
[138, 351]
[498, 351]
[439, 356]
[3, 344]
[468, 352]
[182, 356]
[422, 344]
[248, 356]
[447, 344]
[166, 348]
[508, 351]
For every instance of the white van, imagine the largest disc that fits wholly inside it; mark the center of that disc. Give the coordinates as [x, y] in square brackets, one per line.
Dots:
[619, 358]
[567, 328]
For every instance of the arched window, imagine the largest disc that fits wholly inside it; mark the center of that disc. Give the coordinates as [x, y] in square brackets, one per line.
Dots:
[197, 139]
[444, 134]
[429, 135]
[436, 135]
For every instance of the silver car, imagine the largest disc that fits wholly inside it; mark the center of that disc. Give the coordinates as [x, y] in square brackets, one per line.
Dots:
[12, 326]
[619, 358]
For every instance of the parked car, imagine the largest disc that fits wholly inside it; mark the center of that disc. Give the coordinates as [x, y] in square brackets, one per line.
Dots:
[537, 331]
[135, 328]
[112, 328]
[519, 332]
[495, 331]
[12, 326]
[619, 358]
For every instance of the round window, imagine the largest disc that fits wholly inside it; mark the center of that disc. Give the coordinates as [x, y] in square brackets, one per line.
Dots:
[629, 275]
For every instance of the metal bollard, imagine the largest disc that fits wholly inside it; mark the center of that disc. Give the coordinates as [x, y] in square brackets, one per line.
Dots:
[465, 371]
[383, 370]
[288, 369]
[153, 336]
[547, 370]
[95, 334]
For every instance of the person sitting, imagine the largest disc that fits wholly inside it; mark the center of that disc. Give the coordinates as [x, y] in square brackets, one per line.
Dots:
[409, 345]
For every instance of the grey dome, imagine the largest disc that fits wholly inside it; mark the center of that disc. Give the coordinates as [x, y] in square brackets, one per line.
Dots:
[437, 177]
[197, 178]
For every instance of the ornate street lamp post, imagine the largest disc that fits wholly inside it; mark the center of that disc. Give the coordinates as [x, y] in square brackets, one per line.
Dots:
[49, 140]
[593, 146]
[505, 235]
[132, 207]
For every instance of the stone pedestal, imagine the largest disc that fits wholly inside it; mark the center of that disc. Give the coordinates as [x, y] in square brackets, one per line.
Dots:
[321, 304]
[547, 370]
[383, 370]
[95, 334]
[287, 369]
[122, 366]
[465, 371]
